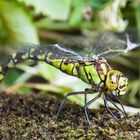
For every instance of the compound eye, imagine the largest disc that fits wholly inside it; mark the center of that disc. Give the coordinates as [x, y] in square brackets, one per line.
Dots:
[113, 79]
[121, 86]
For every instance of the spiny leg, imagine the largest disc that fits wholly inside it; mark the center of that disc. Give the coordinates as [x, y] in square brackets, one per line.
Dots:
[90, 90]
[111, 113]
[110, 100]
[69, 94]
[121, 106]
[87, 104]
[85, 99]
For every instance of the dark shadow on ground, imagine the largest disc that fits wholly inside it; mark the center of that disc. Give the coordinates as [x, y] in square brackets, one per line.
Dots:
[32, 117]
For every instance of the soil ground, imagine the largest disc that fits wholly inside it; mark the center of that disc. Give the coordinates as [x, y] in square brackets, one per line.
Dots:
[32, 117]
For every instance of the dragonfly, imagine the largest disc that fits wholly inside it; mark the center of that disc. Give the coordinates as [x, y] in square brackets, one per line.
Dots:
[89, 64]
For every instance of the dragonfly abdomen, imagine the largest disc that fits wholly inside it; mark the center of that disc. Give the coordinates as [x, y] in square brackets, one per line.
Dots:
[69, 68]
[89, 72]
[20, 56]
[36, 54]
[11, 61]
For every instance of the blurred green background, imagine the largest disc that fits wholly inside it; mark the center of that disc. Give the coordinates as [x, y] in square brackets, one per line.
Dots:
[54, 21]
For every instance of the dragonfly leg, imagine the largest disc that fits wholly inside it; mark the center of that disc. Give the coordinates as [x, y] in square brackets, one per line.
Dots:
[121, 106]
[111, 113]
[69, 94]
[85, 100]
[95, 90]
[87, 104]
[110, 100]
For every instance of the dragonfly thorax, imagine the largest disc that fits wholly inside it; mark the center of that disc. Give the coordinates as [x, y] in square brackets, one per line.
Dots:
[116, 81]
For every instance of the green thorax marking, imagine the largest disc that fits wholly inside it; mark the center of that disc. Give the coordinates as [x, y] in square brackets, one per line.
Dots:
[92, 73]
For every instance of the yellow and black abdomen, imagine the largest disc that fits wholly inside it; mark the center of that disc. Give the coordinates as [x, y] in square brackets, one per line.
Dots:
[11, 61]
[90, 72]
[64, 66]
[36, 54]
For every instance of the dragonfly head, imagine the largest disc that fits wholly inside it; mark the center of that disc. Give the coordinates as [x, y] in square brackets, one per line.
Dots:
[116, 81]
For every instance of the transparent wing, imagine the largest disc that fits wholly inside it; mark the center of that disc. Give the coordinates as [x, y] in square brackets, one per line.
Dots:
[59, 52]
[82, 49]
[103, 45]
[56, 51]
[110, 45]
[7, 50]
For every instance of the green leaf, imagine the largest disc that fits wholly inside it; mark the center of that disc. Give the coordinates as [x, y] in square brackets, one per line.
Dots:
[96, 4]
[125, 62]
[11, 77]
[24, 90]
[55, 9]
[16, 23]
[48, 72]
[77, 14]
[136, 6]
[52, 25]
